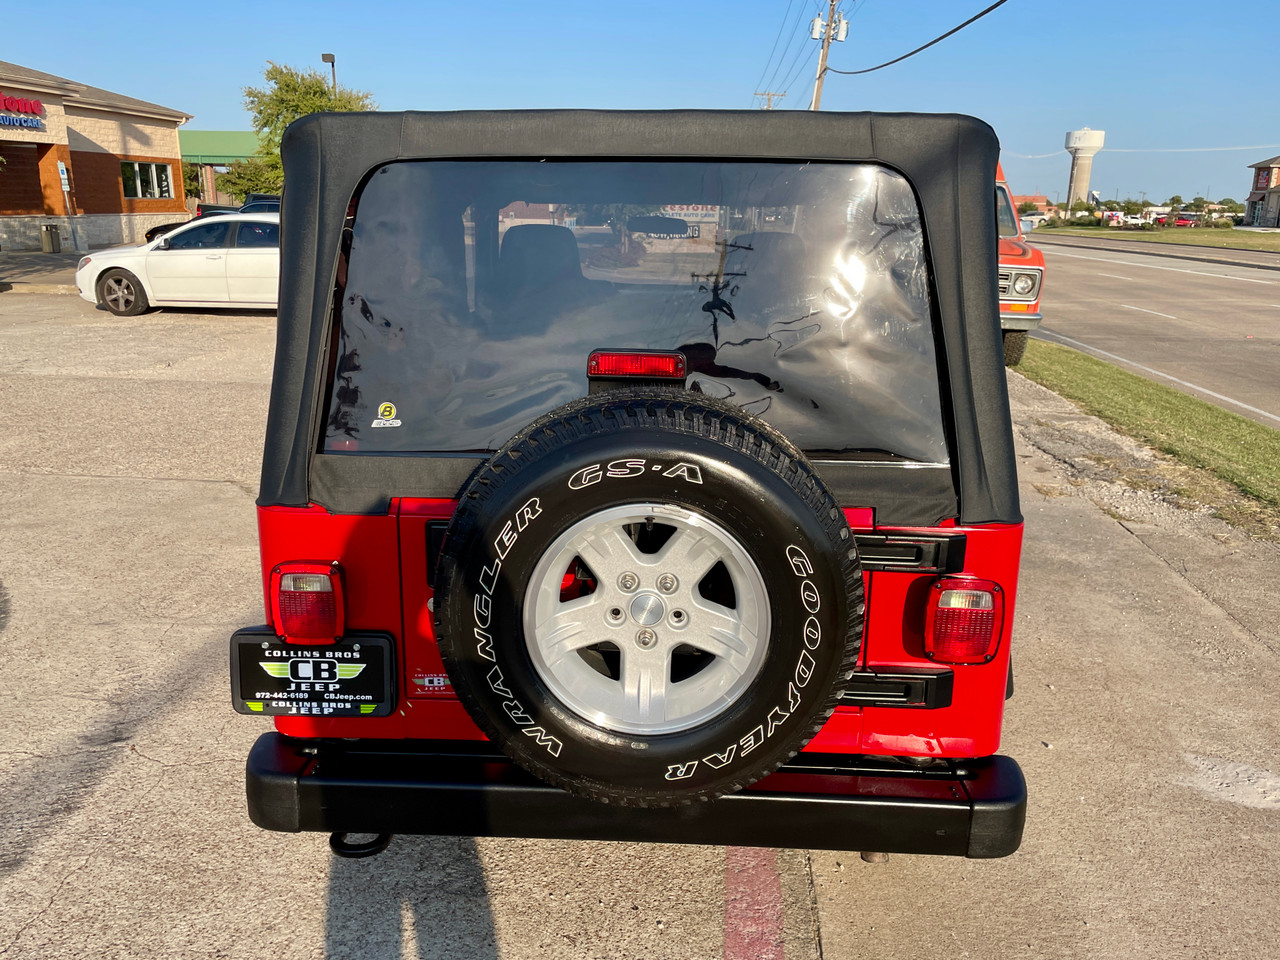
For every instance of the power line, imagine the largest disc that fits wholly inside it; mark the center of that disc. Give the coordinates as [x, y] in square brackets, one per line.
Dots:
[889, 63]
[777, 37]
[799, 58]
[785, 50]
[799, 66]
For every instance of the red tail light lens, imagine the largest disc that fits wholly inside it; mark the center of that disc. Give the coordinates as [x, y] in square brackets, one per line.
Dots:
[669, 365]
[306, 602]
[964, 620]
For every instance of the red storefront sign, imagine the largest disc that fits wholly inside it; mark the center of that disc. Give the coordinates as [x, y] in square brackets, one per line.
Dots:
[21, 105]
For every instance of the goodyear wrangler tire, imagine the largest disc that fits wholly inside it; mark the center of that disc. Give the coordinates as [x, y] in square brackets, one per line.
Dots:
[649, 599]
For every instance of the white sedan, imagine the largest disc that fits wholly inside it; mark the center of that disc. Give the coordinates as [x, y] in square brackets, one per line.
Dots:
[225, 261]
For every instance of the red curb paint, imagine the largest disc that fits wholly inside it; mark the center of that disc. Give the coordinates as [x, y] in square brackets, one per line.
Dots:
[752, 905]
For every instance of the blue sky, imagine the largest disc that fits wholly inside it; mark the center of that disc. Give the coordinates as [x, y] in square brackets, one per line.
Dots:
[1156, 76]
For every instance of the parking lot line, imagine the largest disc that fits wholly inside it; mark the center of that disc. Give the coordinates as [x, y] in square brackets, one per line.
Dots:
[1157, 313]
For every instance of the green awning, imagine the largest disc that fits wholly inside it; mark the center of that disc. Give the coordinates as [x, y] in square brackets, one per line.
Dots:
[217, 146]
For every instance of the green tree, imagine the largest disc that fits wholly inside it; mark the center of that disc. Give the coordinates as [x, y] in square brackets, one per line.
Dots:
[287, 95]
[1197, 204]
[1174, 203]
[260, 174]
[1026, 206]
[1131, 207]
[191, 181]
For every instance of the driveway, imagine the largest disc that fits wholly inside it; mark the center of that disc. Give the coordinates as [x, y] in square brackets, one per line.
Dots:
[1145, 718]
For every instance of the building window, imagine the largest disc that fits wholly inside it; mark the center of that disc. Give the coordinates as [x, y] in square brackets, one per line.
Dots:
[149, 180]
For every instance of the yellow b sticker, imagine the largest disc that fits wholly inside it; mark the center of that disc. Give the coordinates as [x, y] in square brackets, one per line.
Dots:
[387, 411]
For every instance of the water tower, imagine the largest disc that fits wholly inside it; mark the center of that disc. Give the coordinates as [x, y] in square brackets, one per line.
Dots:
[1082, 145]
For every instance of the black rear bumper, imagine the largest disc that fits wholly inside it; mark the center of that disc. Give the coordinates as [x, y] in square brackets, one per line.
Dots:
[970, 808]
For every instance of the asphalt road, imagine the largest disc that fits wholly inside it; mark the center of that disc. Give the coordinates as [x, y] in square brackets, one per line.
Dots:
[1145, 719]
[1210, 329]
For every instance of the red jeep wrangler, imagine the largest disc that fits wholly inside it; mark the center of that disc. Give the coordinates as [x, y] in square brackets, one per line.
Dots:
[621, 462]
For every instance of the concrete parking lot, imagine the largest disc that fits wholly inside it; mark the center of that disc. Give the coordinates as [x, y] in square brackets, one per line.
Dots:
[1146, 660]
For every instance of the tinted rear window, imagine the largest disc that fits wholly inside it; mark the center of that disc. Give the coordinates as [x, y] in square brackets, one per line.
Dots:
[474, 291]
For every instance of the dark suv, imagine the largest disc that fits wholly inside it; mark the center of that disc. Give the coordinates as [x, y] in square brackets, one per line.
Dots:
[621, 462]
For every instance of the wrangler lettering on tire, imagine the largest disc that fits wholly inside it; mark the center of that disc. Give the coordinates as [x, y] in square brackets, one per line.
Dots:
[649, 599]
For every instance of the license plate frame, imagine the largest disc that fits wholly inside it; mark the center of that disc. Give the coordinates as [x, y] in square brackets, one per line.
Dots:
[271, 678]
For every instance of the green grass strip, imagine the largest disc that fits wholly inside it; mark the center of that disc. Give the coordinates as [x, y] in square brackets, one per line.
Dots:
[1191, 236]
[1233, 448]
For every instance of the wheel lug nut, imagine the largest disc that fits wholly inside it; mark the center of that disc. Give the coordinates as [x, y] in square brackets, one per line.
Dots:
[646, 638]
[628, 582]
[678, 618]
[615, 615]
[667, 583]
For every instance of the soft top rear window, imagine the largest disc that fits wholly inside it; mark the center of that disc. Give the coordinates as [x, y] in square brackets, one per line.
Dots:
[473, 292]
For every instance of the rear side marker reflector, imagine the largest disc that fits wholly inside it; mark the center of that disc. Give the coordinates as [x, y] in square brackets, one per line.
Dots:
[306, 602]
[964, 620]
[669, 365]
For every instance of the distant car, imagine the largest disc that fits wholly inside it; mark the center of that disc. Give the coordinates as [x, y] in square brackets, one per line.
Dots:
[261, 206]
[166, 227]
[226, 261]
[1185, 222]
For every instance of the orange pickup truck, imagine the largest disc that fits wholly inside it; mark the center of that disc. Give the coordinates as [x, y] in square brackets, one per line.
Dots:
[1021, 276]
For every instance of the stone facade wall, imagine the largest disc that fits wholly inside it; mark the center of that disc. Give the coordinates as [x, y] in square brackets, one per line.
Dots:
[93, 230]
[98, 131]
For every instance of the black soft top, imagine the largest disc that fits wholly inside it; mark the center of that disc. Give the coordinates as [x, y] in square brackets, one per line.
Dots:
[950, 161]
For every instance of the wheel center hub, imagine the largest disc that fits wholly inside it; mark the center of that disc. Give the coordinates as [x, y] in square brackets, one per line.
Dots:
[647, 609]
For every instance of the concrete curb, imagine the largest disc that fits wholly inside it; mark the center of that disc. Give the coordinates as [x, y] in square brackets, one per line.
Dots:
[1089, 244]
[20, 286]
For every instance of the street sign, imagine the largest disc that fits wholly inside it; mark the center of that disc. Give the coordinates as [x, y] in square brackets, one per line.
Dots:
[62, 172]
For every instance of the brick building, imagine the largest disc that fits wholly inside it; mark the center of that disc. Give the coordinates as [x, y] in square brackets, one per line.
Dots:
[113, 159]
[1262, 206]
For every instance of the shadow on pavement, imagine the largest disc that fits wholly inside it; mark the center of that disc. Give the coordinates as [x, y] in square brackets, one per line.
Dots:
[424, 897]
[38, 268]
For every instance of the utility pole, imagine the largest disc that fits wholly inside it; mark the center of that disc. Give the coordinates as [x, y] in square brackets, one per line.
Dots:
[333, 67]
[832, 29]
[769, 95]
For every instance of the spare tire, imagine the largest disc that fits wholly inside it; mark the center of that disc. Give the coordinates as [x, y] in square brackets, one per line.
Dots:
[649, 598]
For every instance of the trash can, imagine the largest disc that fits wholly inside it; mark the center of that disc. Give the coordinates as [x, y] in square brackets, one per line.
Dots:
[50, 242]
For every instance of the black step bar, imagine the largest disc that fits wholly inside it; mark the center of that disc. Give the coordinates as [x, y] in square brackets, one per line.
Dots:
[969, 808]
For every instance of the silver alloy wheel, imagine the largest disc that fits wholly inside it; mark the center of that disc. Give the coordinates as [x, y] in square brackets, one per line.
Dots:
[118, 294]
[648, 626]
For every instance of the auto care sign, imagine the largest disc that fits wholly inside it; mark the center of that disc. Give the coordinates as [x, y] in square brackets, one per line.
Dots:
[24, 106]
[691, 212]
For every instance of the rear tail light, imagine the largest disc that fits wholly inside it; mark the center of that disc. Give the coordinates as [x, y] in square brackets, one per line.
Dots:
[662, 364]
[964, 620]
[306, 602]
